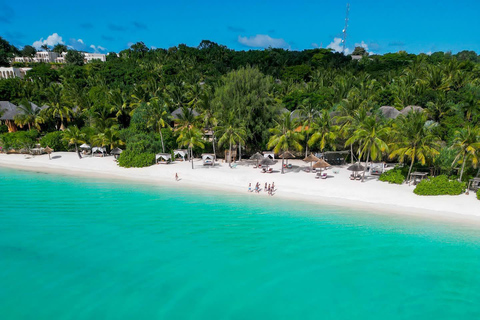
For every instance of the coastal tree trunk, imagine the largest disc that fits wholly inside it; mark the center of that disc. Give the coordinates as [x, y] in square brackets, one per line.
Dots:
[365, 169]
[239, 151]
[191, 155]
[78, 151]
[230, 154]
[463, 167]
[161, 138]
[213, 144]
[283, 160]
[410, 170]
[351, 153]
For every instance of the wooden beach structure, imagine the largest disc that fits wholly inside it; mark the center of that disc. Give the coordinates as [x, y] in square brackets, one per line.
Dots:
[163, 158]
[208, 159]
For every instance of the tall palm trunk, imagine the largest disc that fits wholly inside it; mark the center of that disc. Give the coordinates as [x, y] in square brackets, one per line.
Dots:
[77, 151]
[213, 143]
[230, 154]
[191, 155]
[411, 166]
[365, 169]
[283, 161]
[463, 167]
[239, 151]
[351, 153]
[161, 138]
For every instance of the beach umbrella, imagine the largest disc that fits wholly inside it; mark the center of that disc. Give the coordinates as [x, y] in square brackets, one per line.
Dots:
[267, 162]
[311, 158]
[49, 151]
[85, 146]
[116, 151]
[321, 164]
[356, 167]
[257, 156]
[287, 155]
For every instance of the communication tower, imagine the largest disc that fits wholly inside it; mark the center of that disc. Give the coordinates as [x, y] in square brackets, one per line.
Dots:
[344, 31]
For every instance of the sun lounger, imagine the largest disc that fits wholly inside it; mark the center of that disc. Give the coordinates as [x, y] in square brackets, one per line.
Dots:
[264, 170]
[270, 170]
[324, 175]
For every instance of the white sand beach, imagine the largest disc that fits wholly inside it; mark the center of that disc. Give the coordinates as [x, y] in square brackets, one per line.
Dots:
[337, 189]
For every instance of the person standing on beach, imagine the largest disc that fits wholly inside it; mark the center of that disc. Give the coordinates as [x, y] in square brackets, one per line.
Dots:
[265, 189]
[176, 176]
[273, 186]
[250, 187]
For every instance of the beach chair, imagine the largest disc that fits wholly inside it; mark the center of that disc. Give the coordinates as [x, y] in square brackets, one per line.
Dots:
[264, 170]
[359, 177]
[270, 170]
[324, 175]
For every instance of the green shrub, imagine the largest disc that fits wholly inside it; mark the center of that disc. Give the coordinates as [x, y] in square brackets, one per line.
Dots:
[19, 140]
[129, 159]
[478, 194]
[55, 141]
[440, 185]
[394, 175]
[3, 128]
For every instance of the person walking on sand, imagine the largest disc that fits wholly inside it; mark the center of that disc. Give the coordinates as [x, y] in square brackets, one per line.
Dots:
[176, 176]
[250, 187]
[265, 189]
[273, 186]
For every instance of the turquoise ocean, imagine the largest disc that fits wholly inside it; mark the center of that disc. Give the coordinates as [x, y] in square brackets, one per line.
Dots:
[85, 248]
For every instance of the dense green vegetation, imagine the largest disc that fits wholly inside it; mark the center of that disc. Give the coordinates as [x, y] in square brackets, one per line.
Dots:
[440, 185]
[395, 175]
[478, 194]
[299, 101]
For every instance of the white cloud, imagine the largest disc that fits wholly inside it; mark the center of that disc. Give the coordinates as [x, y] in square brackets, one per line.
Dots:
[263, 41]
[337, 45]
[51, 41]
[75, 44]
[314, 45]
[97, 49]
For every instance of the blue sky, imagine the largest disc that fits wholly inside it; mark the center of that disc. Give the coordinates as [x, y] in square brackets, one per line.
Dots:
[381, 26]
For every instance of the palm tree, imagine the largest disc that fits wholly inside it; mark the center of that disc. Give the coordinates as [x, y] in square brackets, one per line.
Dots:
[231, 132]
[308, 114]
[108, 137]
[370, 134]
[158, 117]
[467, 143]
[73, 135]
[413, 139]
[350, 121]
[190, 137]
[30, 115]
[324, 130]
[285, 136]
[57, 107]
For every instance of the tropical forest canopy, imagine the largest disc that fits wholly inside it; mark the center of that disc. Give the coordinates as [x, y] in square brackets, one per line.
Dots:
[243, 97]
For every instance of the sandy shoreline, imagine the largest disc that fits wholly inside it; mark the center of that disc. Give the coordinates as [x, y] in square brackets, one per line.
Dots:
[336, 190]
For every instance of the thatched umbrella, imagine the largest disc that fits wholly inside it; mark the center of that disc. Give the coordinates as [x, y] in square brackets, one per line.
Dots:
[49, 151]
[321, 164]
[116, 152]
[389, 112]
[287, 155]
[267, 162]
[356, 167]
[311, 158]
[257, 156]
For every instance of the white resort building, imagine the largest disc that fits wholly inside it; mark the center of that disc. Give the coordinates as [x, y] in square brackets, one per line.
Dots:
[53, 57]
[10, 72]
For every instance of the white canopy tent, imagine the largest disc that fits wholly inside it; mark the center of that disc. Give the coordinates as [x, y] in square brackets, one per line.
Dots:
[269, 154]
[85, 146]
[101, 150]
[208, 159]
[180, 153]
[163, 157]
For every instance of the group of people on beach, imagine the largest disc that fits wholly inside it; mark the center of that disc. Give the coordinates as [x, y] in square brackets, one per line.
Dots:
[269, 188]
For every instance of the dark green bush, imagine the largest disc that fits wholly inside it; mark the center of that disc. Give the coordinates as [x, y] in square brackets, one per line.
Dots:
[395, 175]
[3, 128]
[129, 159]
[54, 141]
[440, 185]
[478, 194]
[19, 140]
[144, 143]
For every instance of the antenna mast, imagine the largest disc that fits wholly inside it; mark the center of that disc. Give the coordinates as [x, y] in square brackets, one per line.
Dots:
[344, 41]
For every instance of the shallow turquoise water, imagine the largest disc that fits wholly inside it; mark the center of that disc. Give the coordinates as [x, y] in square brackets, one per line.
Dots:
[75, 248]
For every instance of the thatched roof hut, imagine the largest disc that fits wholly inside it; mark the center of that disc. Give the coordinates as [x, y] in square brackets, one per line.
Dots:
[389, 112]
[356, 167]
[321, 164]
[177, 112]
[407, 109]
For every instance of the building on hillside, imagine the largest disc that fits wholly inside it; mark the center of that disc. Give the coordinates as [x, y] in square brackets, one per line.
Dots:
[95, 56]
[53, 57]
[10, 72]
